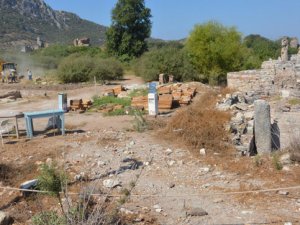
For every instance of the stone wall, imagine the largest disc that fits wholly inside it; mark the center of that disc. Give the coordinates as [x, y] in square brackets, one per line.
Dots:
[274, 78]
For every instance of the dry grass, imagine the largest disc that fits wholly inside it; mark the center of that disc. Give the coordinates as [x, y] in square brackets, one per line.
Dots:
[201, 125]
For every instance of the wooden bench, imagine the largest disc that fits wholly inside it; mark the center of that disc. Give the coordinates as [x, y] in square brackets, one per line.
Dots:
[29, 116]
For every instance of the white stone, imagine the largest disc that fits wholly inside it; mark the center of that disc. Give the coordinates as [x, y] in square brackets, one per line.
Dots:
[111, 183]
[285, 93]
[169, 151]
[171, 163]
[202, 151]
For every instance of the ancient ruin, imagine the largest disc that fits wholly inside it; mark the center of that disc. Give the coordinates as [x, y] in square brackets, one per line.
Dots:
[276, 77]
[82, 42]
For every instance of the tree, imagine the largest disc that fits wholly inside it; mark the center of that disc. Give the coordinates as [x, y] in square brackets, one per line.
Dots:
[262, 47]
[215, 50]
[130, 27]
[168, 60]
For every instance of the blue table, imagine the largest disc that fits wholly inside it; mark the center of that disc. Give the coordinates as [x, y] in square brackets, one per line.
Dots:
[41, 114]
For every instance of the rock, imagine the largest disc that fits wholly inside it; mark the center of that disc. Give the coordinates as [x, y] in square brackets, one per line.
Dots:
[204, 169]
[283, 192]
[249, 115]
[206, 185]
[110, 183]
[169, 151]
[101, 163]
[202, 151]
[285, 159]
[288, 223]
[171, 185]
[5, 219]
[285, 168]
[171, 163]
[126, 211]
[223, 107]
[196, 212]
[295, 156]
[238, 119]
[241, 106]
[218, 200]
[157, 208]
[49, 161]
[81, 176]
[246, 212]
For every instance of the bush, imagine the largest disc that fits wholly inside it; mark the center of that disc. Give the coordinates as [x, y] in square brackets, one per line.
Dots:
[107, 69]
[51, 180]
[167, 60]
[76, 68]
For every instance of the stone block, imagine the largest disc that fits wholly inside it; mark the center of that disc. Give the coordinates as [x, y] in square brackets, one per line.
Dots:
[262, 126]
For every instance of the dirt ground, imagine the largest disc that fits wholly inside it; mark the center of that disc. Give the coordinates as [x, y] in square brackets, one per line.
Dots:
[168, 179]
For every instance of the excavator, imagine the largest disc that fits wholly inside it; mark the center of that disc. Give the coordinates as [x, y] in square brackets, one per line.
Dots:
[8, 71]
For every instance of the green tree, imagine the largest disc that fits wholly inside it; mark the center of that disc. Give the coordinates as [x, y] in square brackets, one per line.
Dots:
[130, 27]
[215, 50]
[168, 60]
[262, 47]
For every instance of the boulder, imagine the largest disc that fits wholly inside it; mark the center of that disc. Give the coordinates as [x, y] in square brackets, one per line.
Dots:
[196, 212]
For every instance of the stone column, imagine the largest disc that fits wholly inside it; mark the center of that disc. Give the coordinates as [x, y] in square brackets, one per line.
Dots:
[262, 126]
[284, 49]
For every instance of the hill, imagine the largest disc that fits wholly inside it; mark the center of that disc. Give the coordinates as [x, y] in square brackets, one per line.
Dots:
[21, 21]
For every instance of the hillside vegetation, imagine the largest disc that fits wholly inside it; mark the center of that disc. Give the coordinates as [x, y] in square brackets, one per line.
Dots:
[21, 21]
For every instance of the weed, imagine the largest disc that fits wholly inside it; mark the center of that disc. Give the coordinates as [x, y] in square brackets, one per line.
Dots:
[125, 192]
[276, 162]
[132, 184]
[48, 218]
[257, 160]
[294, 101]
[139, 123]
[138, 92]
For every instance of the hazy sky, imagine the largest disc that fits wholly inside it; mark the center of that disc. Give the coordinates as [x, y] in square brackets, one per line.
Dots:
[174, 19]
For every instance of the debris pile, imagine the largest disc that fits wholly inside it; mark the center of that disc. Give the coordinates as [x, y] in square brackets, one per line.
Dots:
[242, 121]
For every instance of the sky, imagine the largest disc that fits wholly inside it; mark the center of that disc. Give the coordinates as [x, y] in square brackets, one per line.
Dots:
[175, 19]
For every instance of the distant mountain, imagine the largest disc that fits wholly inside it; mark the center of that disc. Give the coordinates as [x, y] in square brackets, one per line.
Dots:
[22, 21]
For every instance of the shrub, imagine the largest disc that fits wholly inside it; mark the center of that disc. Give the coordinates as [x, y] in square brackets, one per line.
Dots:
[51, 180]
[75, 69]
[107, 69]
[166, 60]
[276, 162]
